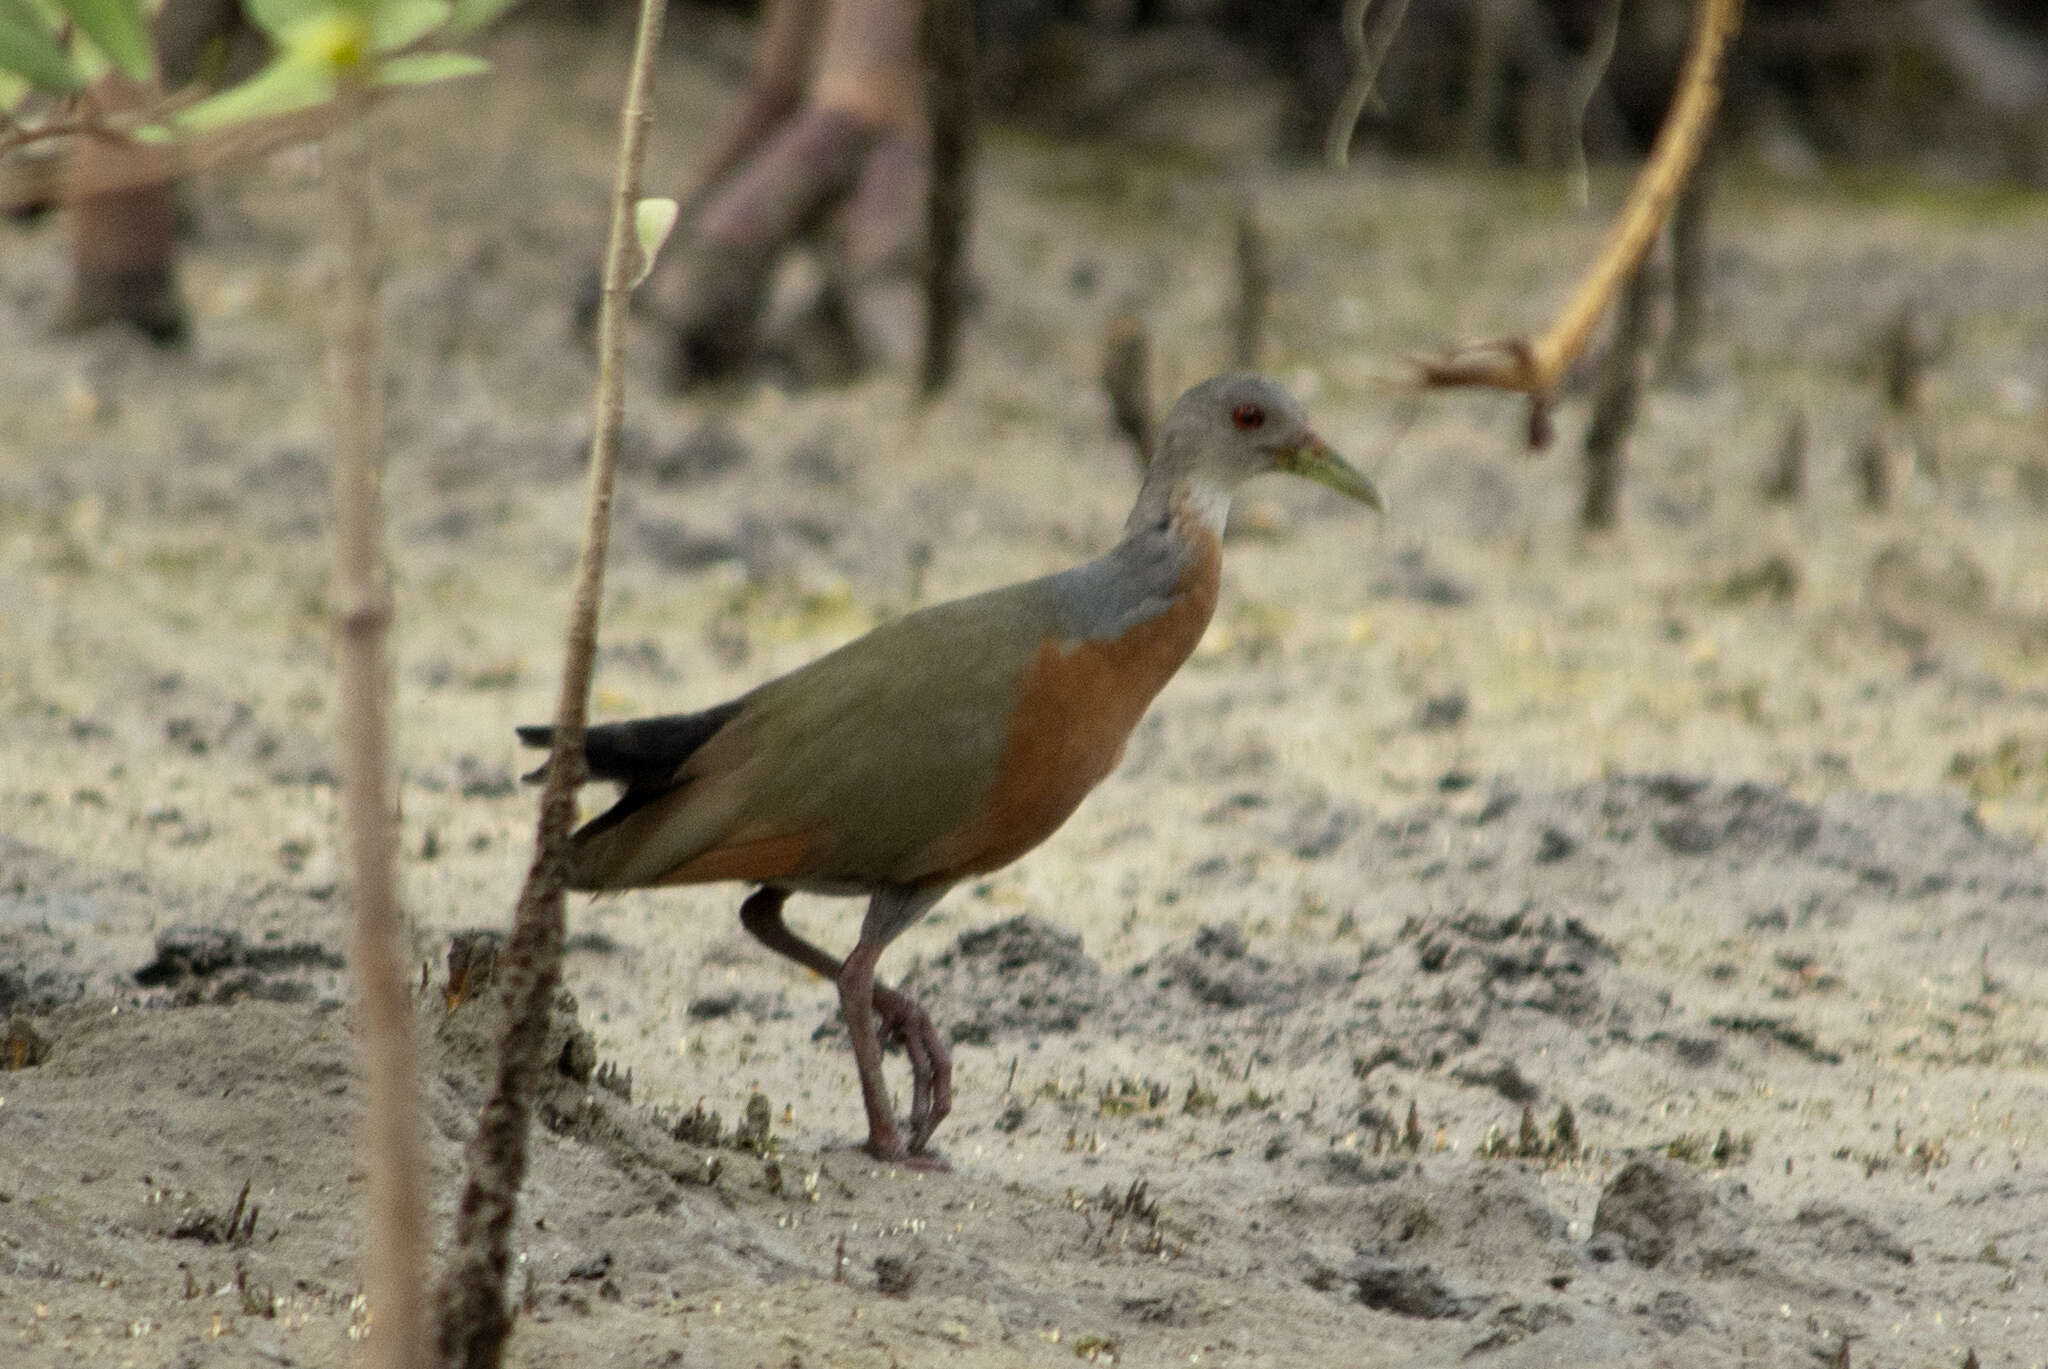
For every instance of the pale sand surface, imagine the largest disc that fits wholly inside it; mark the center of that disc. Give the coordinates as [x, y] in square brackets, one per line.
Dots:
[1311, 899]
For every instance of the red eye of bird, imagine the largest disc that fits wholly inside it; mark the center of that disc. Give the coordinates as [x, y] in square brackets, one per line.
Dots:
[1248, 416]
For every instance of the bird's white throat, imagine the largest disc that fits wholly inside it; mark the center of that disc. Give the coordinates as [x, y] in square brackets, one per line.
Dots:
[1205, 501]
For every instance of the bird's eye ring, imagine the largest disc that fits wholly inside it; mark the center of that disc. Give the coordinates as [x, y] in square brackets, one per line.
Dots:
[1248, 416]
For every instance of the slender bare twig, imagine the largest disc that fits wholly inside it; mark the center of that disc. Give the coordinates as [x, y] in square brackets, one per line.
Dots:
[394, 1256]
[1912, 343]
[1585, 84]
[1368, 55]
[41, 181]
[1492, 25]
[1874, 471]
[13, 135]
[1127, 379]
[1616, 401]
[1785, 482]
[1689, 266]
[782, 62]
[1534, 367]
[1254, 288]
[30, 181]
[473, 1320]
[948, 42]
[87, 116]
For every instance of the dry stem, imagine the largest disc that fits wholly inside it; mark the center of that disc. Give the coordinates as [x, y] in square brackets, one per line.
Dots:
[1586, 84]
[1616, 401]
[42, 180]
[394, 1258]
[1254, 288]
[1368, 54]
[1689, 266]
[782, 62]
[473, 1319]
[1535, 367]
[948, 42]
[1127, 379]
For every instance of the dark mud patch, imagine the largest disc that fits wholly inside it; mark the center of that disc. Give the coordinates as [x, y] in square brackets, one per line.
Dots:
[1546, 962]
[1406, 1290]
[1217, 969]
[218, 965]
[1020, 977]
[1656, 1212]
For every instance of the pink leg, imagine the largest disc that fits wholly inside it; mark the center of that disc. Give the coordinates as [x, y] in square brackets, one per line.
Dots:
[761, 915]
[884, 1014]
[857, 1006]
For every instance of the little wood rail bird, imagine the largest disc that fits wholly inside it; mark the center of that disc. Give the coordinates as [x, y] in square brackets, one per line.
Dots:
[942, 745]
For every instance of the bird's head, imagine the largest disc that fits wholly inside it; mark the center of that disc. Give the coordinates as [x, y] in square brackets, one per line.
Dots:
[1234, 426]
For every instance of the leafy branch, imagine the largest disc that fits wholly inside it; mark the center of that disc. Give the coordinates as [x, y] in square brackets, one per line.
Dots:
[332, 58]
[326, 53]
[1535, 366]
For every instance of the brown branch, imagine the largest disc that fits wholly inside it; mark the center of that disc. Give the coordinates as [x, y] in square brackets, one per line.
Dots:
[17, 136]
[1534, 368]
[1585, 85]
[46, 180]
[782, 64]
[1368, 54]
[1874, 471]
[394, 1255]
[1689, 266]
[948, 42]
[1616, 401]
[1493, 24]
[50, 180]
[1785, 482]
[473, 1320]
[1127, 379]
[1254, 288]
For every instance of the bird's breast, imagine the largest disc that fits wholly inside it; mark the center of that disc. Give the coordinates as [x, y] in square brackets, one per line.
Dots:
[1077, 702]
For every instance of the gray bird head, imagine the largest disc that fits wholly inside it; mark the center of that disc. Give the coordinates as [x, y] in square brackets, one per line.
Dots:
[1234, 426]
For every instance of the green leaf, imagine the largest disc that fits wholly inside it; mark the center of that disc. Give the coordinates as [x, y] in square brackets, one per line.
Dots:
[279, 17]
[283, 87]
[121, 31]
[86, 58]
[652, 220]
[425, 68]
[29, 49]
[398, 23]
[471, 15]
[335, 40]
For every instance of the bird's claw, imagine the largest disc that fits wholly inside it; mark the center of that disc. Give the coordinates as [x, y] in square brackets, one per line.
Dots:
[931, 1064]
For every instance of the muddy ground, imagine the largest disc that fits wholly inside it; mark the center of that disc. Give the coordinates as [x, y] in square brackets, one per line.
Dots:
[1709, 846]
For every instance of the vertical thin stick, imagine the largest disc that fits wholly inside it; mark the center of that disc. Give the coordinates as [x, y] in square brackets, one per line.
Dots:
[948, 43]
[1616, 400]
[1367, 54]
[1785, 482]
[1493, 23]
[1585, 85]
[1689, 265]
[1254, 288]
[473, 1319]
[1534, 366]
[1127, 379]
[394, 1257]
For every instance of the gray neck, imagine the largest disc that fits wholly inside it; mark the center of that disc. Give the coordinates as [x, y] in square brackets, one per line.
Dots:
[1175, 488]
[1142, 575]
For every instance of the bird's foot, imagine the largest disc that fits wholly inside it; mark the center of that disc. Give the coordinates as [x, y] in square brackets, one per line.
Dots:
[931, 1065]
[894, 1152]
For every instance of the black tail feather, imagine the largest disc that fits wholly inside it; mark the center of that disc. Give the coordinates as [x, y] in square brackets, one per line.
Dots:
[643, 754]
